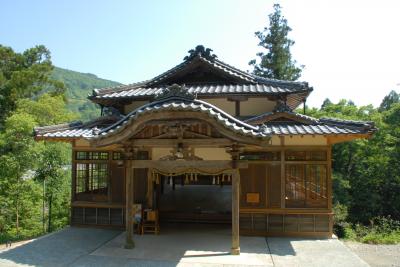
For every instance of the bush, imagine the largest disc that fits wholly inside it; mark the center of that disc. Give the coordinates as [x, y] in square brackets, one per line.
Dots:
[382, 230]
[379, 238]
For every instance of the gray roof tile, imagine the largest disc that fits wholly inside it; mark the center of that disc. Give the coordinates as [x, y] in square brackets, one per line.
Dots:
[306, 125]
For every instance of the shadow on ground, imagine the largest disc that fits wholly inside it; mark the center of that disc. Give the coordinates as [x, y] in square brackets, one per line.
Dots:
[191, 244]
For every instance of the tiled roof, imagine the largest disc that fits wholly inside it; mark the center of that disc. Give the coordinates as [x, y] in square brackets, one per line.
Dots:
[319, 128]
[108, 125]
[289, 114]
[182, 104]
[141, 91]
[76, 129]
[242, 83]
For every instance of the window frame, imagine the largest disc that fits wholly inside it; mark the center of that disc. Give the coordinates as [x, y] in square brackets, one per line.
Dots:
[91, 176]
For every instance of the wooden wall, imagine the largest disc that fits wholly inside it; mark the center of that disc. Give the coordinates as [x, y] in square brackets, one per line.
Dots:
[263, 201]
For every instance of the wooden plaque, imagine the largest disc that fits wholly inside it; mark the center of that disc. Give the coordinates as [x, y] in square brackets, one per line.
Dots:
[253, 198]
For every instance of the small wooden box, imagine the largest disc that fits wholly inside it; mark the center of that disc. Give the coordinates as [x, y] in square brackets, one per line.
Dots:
[151, 215]
[253, 198]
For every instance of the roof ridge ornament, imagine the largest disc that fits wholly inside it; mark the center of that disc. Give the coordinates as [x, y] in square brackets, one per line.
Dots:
[281, 106]
[200, 50]
[174, 90]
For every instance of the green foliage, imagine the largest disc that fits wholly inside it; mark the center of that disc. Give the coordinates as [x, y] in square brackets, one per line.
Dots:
[24, 75]
[366, 173]
[79, 86]
[50, 172]
[46, 110]
[389, 100]
[277, 63]
[382, 230]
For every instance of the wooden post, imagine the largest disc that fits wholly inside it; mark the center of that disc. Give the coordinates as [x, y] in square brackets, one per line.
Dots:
[283, 174]
[149, 189]
[235, 250]
[235, 212]
[129, 244]
[329, 185]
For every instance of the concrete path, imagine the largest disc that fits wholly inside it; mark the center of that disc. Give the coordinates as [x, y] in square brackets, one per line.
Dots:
[58, 249]
[312, 252]
[377, 255]
[189, 245]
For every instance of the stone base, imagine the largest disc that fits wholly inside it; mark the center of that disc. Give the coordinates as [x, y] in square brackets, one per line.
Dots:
[235, 251]
[129, 245]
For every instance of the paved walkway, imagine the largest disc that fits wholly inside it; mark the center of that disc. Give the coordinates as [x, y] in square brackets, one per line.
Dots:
[189, 245]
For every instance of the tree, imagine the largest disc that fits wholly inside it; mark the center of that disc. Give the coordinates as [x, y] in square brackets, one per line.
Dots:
[389, 100]
[277, 63]
[22, 157]
[50, 172]
[17, 156]
[327, 102]
[24, 75]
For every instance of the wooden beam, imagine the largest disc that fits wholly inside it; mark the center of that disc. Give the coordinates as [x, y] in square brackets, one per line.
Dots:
[196, 142]
[169, 165]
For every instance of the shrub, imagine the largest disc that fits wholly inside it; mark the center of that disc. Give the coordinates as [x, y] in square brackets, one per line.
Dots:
[382, 230]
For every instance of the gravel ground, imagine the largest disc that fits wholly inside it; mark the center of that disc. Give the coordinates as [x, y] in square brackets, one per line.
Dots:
[377, 255]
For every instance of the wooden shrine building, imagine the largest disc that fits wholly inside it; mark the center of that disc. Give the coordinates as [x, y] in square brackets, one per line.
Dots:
[205, 142]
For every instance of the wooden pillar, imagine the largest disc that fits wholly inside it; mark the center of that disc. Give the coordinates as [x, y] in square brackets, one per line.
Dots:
[149, 189]
[129, 244]
[329, 185]
[235, 250]
[235, 212]
[73, 182]
[283, 173]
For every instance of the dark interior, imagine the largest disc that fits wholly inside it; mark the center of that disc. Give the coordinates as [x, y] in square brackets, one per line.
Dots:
[204, 200]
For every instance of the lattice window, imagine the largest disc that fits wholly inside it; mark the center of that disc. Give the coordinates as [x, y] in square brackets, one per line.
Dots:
[89, 155]
[306, 185]
[262, 156]
[91, 178]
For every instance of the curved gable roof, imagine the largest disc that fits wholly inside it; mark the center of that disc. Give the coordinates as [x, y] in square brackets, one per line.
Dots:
[179, 104]
[238, 82]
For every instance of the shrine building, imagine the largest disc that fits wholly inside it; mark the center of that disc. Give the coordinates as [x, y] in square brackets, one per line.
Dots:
[205, 142]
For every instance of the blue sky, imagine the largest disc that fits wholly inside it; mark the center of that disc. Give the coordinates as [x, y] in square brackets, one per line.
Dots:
[351, 49]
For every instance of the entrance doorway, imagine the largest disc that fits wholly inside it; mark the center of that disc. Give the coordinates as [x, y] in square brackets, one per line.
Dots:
[195, 198]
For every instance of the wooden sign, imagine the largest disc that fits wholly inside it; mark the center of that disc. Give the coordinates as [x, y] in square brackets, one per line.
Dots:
[253, 198]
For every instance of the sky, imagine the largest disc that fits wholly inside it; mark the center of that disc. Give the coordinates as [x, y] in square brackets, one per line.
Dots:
[350, 49]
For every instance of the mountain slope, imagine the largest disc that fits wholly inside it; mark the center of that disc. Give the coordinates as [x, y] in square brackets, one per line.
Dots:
[79, 86]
